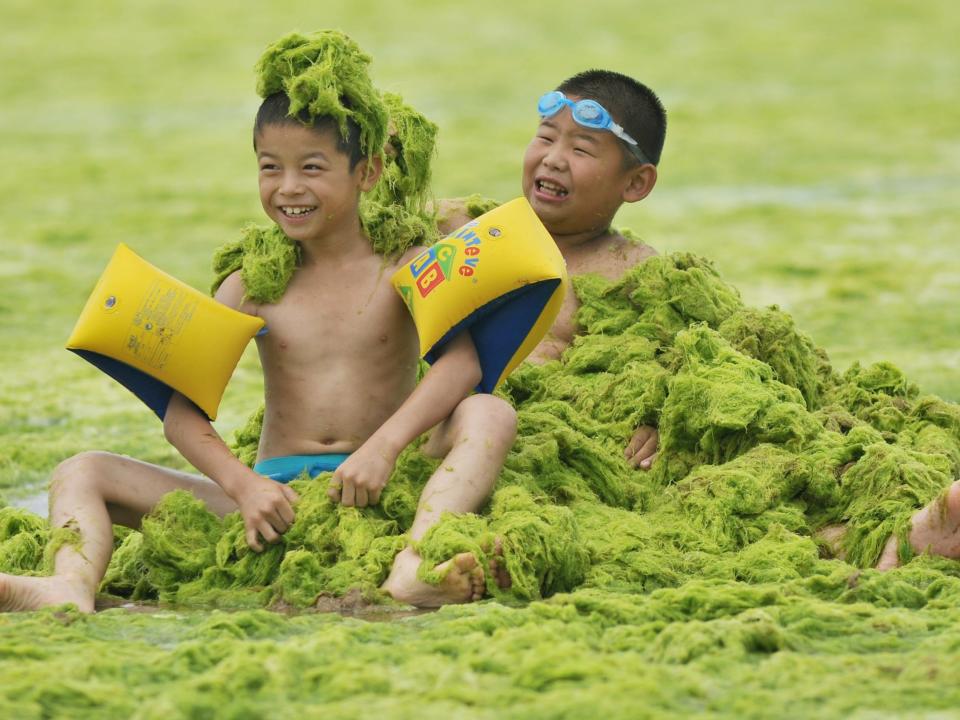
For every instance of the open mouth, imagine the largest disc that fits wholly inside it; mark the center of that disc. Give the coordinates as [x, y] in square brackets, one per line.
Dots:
[550, 188]
[297, 211]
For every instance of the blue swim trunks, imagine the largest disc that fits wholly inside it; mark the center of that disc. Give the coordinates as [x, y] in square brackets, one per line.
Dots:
[288, 467]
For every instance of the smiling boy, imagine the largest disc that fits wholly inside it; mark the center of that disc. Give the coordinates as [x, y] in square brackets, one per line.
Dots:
[597, 146]
[339, 359]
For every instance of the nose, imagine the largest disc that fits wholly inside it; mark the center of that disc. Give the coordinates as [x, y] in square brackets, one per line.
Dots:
[555, 157]
[291, 183]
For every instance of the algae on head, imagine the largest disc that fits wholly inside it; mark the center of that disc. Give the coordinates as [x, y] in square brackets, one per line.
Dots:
[325, 74]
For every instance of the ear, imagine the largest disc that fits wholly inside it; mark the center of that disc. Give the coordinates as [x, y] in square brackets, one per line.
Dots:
[641, 182]
[369, 171]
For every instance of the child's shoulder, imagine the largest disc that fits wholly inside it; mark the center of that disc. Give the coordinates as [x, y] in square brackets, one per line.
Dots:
[231, 290]
[233, 293]
[613, 255]
[454, 213]
[451, 215]
[627, 249]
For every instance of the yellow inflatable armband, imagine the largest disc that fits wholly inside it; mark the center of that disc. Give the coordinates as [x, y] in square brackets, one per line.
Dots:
[154, 334]
[500, 275]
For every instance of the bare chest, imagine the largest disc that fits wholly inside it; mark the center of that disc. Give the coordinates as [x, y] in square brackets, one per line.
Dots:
[345, 319]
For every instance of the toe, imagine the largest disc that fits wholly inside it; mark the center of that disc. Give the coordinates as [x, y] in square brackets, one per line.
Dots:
[477, 583]
[499, 566]
[466, 562]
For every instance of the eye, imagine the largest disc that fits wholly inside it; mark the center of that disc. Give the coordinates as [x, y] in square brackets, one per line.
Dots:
[544, 138]
[312, 167]
[267, 167]
[583, 151]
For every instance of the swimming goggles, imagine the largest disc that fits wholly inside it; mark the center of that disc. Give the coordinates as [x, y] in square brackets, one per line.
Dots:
[589, 114]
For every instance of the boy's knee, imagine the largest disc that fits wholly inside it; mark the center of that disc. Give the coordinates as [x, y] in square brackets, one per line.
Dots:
[83, 468]
[491, 415]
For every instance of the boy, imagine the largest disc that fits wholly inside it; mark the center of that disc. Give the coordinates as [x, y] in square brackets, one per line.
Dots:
[339, 361]
[597, 146]
[578, 170]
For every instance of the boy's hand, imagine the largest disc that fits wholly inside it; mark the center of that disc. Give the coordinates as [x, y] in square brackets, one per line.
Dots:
[642, 449]
[265, 506]
[362, 477]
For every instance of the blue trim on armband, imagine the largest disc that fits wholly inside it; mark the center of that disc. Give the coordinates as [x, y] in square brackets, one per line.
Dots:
[155, 394]
[499, 328]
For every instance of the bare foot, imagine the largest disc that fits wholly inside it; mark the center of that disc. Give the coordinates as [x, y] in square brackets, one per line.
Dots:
[32, 593]
[498, 568]
[462, 582]
[934, 529]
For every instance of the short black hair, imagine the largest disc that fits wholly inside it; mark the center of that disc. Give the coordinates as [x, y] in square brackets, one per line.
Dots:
[632, 104]
[275, 110]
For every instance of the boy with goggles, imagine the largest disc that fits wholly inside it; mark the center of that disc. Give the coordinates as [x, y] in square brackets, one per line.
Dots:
[596, 147]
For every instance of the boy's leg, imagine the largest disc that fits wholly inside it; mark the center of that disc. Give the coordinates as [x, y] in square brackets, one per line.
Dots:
[473, 442]
[89, 493]
[934, 528]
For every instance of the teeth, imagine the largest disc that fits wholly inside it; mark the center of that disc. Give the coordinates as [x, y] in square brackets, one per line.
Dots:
[296, 210]
[552, 188]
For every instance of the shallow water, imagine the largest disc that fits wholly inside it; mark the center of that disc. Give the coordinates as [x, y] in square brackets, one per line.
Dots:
[35, 503]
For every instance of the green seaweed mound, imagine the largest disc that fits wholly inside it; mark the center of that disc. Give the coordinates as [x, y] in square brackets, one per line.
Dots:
[762, 445]
[692, 586]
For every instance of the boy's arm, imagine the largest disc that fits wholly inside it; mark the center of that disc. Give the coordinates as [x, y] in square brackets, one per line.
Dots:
[264, 504]
[362, 477]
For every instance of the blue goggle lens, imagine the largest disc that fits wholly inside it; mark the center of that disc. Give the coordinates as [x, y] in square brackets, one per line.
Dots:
[550, 103]
[589, 112]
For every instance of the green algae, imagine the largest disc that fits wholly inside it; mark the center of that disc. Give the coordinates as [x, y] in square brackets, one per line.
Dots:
[762, 444]
[266, 259]
[660, 585]
[326, 74]
[476, 205]
[23, 537]
[824, 645]
[394, 214]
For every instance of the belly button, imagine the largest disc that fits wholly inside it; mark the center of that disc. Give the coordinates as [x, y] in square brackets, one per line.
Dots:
[283, 345]
[383, 338]
[328, 441]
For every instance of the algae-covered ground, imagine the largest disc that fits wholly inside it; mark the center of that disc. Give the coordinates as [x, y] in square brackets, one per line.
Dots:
[812, 154]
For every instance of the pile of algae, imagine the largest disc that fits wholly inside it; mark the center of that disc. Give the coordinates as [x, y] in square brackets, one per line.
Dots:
[762, 444]
[698, 587]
